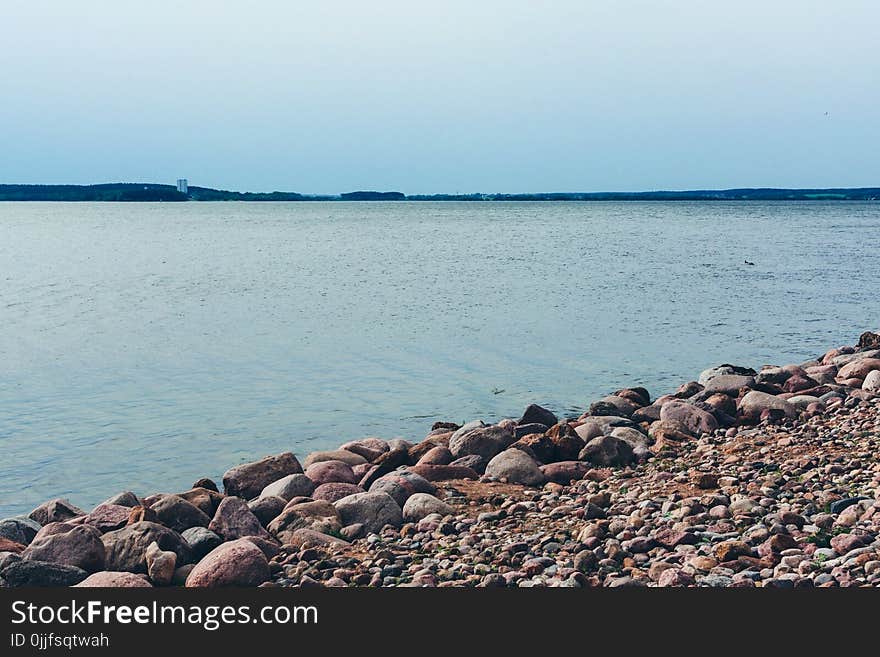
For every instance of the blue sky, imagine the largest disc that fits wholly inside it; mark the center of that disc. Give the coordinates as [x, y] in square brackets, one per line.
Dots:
[441, 97]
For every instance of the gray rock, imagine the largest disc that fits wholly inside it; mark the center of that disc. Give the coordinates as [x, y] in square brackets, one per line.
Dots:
[373, 509]
[420, 505]
[57, 510]
[486, 441]
[126, 498]
[293, 485]
[126, 548]
[516, 467]
[19, 529]
[69, 545]
[537, 414]
[234, 519]
[607, 451]
[202, 540]
[40, 573]
[176, 513]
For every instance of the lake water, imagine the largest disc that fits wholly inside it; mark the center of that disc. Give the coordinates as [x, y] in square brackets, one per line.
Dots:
[143, 346]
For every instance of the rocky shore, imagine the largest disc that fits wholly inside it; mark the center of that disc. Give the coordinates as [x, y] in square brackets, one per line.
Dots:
[741, 478]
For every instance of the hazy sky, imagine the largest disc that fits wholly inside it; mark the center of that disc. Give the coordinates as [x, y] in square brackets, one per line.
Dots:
[329, 96]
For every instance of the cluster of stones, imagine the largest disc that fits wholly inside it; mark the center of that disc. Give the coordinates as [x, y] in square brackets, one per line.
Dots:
[741, 478]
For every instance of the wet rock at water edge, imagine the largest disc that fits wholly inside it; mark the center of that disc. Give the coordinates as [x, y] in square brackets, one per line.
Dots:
[249, 479]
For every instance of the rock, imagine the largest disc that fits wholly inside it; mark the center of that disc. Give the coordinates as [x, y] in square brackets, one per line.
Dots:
[444, 472]
[675, 577]
[201, 540]
[237, 563]
[521, 430]
[319, 515]
[303, 538]
[566, 443]
[688, 418]
[869, 340]
[141, 514]
[872, 382]
[373, 509]
[335, 491]
[249, 479]
[293, 485]
[160, 564]
[400, 484]
[105, 517]
[482, 441]
[420, 505]
[326, 472]
[589, 430]
[395, 457]
[126, 498]
[438, 455]
[537, 414]
[732, 550]
[755, 402]
[516, 467]
[69, 545]
[846, 543]
[475, 462]
[57, 510]
[126, 548]
[839, 506]
[564, 472]
[623, 407]
[349, 458]
[857, 369]
[729, 384]
[205, 499]
[647, 414]
[176, 513]
[40, 573]
[607, 451]
[712, 372]
[267, 508]
[234, 519]
[106, 579]
[268, 546]
[11, 546]
[369, 448]
[19, 529]
[537, 446]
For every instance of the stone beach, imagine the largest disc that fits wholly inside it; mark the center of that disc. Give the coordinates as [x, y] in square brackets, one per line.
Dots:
[743, 477]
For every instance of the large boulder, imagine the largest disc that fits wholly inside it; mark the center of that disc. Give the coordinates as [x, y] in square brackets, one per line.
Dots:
[237, 563]
[485, 441]
[872, 382]
[57, 510]
[105, 517]
[400, 484]
[729, 384]
[537, 414]
[688, 418]
[70, 545]
[420, 505]
[234, 519]
[755, 402]
[267, 508]
[293, 485]
[720, 370]
[176, 513]
[538, 446]
[516, 467]
[373, 510]
[857, 369]
[19, 529]
[126, 548]
[326, 472]
[564, 472]
[249, 479]
[335, 491]
[607, 451]
[206, 499]
[343, 455]
[106, 579]
[444, 472]
[319, 515]
[439, 455]
[201, 540]
[28, 573]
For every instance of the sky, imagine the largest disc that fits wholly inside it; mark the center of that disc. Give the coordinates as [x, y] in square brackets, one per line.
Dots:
[454, 97]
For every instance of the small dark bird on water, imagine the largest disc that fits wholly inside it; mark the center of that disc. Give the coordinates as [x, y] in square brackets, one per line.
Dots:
[748, 263]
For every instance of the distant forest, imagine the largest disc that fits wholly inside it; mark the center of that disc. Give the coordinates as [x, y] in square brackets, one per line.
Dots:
[152, 192]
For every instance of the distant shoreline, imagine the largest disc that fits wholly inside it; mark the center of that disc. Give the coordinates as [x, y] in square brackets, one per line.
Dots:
[151, 192]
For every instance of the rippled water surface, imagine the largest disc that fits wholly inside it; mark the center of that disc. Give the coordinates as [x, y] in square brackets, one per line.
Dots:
[145, 345]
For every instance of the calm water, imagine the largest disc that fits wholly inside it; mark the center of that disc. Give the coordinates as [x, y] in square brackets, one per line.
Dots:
[145, 345]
